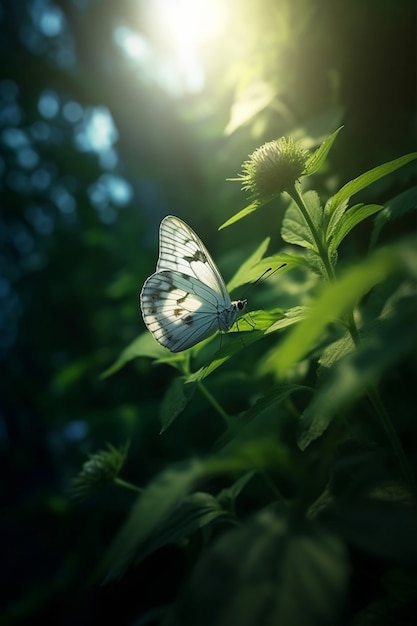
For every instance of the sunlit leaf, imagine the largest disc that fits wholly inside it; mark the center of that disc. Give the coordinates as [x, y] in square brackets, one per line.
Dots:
[340, 296]
[253, 206]
[242, 275]
[366, 179]
[254, 99]
[256, 574]
[316, 161]
[295, 229]
[291, 316]
[351, 218]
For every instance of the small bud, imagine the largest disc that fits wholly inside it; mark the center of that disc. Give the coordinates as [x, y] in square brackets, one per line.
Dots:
[272, 169]
[101, 468]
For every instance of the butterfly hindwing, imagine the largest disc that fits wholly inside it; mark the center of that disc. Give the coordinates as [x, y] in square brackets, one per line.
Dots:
[175, 311]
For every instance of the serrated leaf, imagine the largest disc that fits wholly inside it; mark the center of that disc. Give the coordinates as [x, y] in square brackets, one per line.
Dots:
[256, 574]
[295, 229]
[150, 514]
[291, 316]
[402, 204]
[336, 350]
[175, 400]
[349, 220]
[351, 376]
[193, 512]
[242, 275]
[253, 206]
[366, 179]
[316, 161]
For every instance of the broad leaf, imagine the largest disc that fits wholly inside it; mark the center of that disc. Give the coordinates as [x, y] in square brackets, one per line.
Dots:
[366, 179]
[150, 514]
[352, 375]
[295, 229]
[349, 220]
[340, 296]
[258, 573]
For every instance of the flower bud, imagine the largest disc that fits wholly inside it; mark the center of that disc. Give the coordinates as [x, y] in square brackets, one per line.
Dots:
[273, 168]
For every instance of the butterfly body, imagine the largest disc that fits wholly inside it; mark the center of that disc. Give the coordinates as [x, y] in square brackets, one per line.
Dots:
[185, 300]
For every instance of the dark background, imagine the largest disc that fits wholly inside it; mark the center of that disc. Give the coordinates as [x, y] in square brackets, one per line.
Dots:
[96, 147]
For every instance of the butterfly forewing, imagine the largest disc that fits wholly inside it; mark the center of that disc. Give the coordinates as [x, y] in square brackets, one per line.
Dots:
[182, 250]
[186, 299]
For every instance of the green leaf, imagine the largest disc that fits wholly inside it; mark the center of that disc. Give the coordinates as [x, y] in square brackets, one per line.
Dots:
[253, 206]
[175, 400]
[340, 296]
[257, 96]
[274, 262]
[383, 529]
[250, 328]
[348, 221]
[391, 339]
[366, 179]
[295, 229]
[193, 512]
[150, 514]
[144, 345]
[291, 316]
[256, 574]
[227, 497]
[399, 206]
[336, 350]
[317, 159]
[241, 276]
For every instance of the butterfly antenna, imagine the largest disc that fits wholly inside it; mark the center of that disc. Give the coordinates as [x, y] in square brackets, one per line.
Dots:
[258, 280]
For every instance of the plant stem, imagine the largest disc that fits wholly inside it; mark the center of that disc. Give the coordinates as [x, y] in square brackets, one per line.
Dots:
[215, 404]
[393, 439]
[126, 485]
[321, 249]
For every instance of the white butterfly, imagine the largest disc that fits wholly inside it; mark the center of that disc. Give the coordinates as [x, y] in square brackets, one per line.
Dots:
[186, 299]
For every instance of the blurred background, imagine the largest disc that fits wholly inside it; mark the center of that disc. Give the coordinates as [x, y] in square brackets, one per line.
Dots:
[113, 115]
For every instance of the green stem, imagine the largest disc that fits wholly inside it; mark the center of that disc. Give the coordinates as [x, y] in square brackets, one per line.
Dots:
[321, 248]
[215, 404]
[126, 485]
[393, 439]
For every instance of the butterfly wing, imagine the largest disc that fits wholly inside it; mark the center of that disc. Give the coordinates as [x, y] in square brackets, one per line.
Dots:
[179, 310]
[180, 249]
[186, 299]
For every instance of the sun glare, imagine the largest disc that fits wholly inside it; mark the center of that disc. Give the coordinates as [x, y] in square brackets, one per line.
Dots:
[188, 22]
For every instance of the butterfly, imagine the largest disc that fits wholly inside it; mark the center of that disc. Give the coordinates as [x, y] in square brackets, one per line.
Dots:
[185, 300]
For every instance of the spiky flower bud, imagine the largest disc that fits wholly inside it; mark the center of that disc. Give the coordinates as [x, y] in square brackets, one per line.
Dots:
[273, 168]
[101, 468]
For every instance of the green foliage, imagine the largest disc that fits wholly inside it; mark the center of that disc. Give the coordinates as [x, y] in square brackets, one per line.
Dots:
[326, 358]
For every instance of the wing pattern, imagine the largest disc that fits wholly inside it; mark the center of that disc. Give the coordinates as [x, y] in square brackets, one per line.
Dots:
[185, 300]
